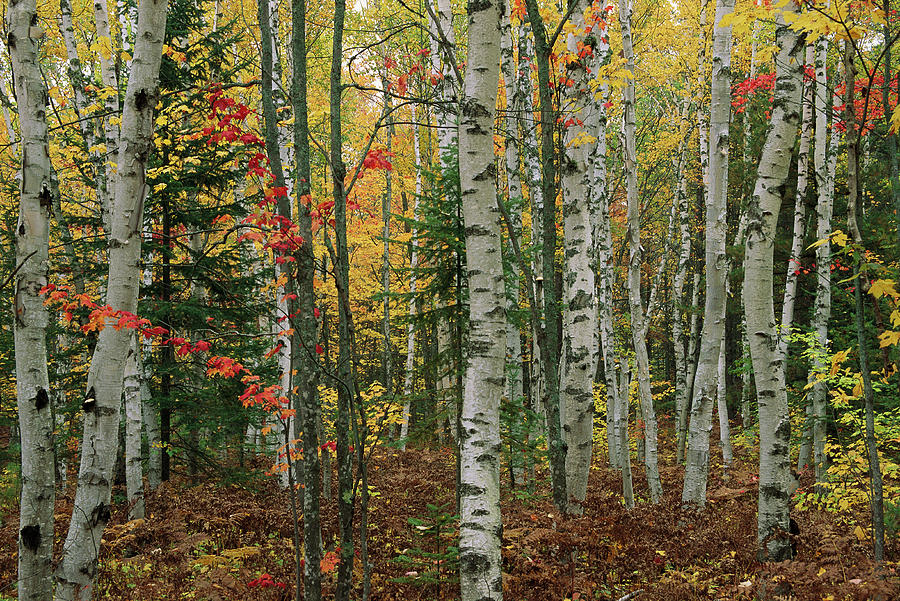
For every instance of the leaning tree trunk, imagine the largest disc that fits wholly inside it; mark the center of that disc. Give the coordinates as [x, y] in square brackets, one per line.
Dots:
[707, 376]
[479, 494]
[91, 512]
[580, 313]
[31, 318]
[768, 369]
[638, 330]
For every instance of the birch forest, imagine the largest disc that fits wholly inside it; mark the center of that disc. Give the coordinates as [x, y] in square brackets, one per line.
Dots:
[540, 300]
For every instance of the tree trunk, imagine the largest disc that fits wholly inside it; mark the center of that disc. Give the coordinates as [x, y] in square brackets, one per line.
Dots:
[386, 367]
[825, 154]
[705, 388]
[307, 399]
[413, 265]
[134, 476]
[793, 266]
[768, 369]
[91, 512]
[479, 493]
[623, 439]
[30, 320]
[580, 314]
[679, 339]
[550, 338]
[638, 329]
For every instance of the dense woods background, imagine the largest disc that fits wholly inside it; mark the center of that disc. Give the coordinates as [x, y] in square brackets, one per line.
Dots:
[393, 300]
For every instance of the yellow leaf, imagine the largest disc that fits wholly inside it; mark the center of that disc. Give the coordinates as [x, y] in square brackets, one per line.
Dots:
[880, 288]
[839, 238]
[889, 338]
[104, 46]
[860, 533]
[895, 120]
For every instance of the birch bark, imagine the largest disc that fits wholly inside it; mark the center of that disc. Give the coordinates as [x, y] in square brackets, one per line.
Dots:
[580, 312]
[78, 564]
[793, 266]
[134, 476]
[30, 319]
[479, 492]
[825, 154]
[638, 328]
[768, 370]
[706, 379]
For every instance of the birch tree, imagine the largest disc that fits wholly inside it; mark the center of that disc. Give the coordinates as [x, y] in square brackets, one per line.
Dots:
[825, 152]
[706, 379]
[580, 313]
[78, 564]
[30, 319]
[638, 330]
[768, 369]
[479, 489]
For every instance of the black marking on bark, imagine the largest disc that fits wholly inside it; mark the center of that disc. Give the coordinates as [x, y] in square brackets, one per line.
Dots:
[45, 198]
[470, 490]
[473, 563]
[90, 401]
[11, 41]
[100, 515]
[41, 399]
[21, 229]
[31, 537]
[476, 6]
[140, 99]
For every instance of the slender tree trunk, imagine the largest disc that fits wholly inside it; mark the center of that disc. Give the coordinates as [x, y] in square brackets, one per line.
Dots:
[768, 369]
[679, 339]
[580, 314]
[413, 265]
[876, 492]
[825, 155]
[91, 512]
[550, 338]
[479, 495]
[307, 398]
[623, 440]
[134, 476]
[691, 365]
[638, 329]
[891, 140]
[705, 387]
[532, 173]
[31, 318]
[111, 105]
[386, 367]
[793, 267]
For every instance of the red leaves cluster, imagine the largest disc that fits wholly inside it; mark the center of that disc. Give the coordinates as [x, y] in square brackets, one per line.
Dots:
[266, 581]
[377, 159]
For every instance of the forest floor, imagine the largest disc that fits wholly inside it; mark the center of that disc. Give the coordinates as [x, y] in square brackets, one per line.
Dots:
[205, 541]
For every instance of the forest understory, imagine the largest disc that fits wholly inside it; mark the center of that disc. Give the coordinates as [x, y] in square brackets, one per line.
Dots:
[207, 541]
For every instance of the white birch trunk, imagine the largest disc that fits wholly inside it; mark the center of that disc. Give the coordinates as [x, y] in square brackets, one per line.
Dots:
[30, 317]
[78, 564]
[825, 160]
[111, 106]
[638, 329]
[678, 313]
[149, 413]
[722, 408]
[705, 387]
[134, 477]
[793, 266]
[579, 310]
[479, 491]
[623, 440]
[768, 370]
[413, 265]
[532, 174]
